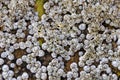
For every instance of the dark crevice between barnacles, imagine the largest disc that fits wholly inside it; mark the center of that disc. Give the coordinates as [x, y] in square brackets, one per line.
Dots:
[86, 30]
[96, 63]
[95, 48]
[109, 26]
[100, 32]
[114, 46]
[103, 72]
[62, 14]
[114, 69]
[1, 28]
[19, 53]
[67, 47]
[19, 69]
[20, 40]
[1, 50]
[77, 24]
[26, 32]
[13, 31]
[74, 58]
[69, 38]
[68, 13]
[104, 41]
[63, 78]
[78, 11]
[50, 20]
[28, 22]
[7, 62]
[83, 50]
[16, 20]
[46, 59]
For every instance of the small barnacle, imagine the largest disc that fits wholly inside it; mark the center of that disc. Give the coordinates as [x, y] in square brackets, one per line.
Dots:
[12, 4]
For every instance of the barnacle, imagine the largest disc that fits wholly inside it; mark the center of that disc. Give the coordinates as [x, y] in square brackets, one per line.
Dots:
[59, 39]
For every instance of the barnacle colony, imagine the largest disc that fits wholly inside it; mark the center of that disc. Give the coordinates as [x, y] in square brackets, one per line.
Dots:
[59, 40]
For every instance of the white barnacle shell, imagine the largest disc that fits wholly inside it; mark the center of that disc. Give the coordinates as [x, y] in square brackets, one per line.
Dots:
[12, 4]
